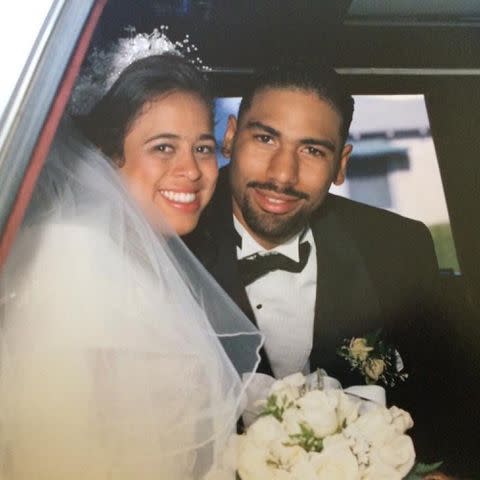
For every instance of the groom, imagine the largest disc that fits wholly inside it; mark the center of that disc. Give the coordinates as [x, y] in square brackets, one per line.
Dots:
[311, 269]
[349, 268]
[346, 269]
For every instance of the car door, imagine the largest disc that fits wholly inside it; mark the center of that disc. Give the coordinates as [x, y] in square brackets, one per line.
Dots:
[35, 91]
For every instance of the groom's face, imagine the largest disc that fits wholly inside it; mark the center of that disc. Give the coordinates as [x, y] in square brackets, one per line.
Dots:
[286, 151]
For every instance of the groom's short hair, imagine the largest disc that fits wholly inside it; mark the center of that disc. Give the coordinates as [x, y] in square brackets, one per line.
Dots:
[310, 76]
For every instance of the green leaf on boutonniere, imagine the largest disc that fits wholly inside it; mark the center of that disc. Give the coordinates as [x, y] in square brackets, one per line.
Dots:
[373, 337]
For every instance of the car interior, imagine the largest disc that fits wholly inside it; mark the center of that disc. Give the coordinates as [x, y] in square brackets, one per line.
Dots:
[429, 49]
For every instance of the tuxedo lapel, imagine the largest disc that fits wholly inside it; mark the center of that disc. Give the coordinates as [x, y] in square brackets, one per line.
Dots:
[221, 260]
[346, 300]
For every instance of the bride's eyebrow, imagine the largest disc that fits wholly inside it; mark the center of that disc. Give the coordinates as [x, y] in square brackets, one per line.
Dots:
[174, 136]
[159, 136]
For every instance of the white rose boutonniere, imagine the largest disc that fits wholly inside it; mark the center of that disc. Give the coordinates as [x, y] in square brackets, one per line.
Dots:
[359, 349]
[374, 368]
[376, 361]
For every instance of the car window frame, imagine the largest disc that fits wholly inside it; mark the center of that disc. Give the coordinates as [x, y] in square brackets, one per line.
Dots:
[37, 105]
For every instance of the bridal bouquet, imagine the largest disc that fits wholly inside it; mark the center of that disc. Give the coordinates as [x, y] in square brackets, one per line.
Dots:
[306, 433]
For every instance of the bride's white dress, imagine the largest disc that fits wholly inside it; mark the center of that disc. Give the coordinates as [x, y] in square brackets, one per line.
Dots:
[110, 366]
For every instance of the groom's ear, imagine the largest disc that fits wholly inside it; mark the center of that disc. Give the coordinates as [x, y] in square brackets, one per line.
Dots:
[229, 136]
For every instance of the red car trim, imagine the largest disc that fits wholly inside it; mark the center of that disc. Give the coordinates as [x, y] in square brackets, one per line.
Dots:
[44, 142]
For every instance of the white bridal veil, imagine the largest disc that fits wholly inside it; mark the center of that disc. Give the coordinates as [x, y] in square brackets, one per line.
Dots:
[111, 362]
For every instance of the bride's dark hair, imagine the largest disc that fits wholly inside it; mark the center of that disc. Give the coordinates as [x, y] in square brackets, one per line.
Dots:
[141, 82]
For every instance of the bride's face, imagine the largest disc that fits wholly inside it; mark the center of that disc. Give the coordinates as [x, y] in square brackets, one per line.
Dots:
[169, 160]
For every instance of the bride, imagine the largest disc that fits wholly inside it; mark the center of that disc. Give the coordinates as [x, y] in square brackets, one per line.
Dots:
[119, 356]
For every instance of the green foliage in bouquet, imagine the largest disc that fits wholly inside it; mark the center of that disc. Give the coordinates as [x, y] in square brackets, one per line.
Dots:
[276, 408]
[307, 431]
[419, 470]
[306, 439]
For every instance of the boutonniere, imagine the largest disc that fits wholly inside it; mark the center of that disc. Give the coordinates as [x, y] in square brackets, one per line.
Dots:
[376, 361]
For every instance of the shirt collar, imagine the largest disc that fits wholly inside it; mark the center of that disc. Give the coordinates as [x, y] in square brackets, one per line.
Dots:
[250, 246]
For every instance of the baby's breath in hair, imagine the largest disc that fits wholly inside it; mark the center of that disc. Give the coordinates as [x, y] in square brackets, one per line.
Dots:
[103, 67]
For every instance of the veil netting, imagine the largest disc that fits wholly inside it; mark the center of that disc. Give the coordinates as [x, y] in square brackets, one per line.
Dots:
[120, 357]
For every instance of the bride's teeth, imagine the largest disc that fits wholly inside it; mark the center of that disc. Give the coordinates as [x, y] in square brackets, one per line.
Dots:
[179, 197]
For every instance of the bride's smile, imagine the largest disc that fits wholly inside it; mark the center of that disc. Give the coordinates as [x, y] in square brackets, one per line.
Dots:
[179, 197]
[111, 361]
[169, 162]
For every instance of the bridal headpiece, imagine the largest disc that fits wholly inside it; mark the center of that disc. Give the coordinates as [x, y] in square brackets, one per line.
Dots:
[103, 67]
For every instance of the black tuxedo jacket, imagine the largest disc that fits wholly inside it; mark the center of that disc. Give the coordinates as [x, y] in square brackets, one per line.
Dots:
[375, 270]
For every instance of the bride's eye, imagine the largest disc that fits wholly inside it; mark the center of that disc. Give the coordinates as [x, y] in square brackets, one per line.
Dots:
[164, 148]
[205, 149]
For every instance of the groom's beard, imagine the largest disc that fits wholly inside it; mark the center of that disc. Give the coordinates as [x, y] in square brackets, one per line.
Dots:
[272, 227]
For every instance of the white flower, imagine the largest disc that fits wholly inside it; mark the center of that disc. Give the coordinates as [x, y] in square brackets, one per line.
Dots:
[392, 460]
[380, 471]
[356, 444]
[288, 456]
[323, 411]
[374, 368]
[374, 425]
[318, 409]
[265, 431]
[292, 418]
[288, 389]
[402, 421]
[361, 449]
[252, 461]
[303, 470]
[263, 454]
[347, 407]
[399, 453]
[359, 349]
[335, 461]
[391, 454]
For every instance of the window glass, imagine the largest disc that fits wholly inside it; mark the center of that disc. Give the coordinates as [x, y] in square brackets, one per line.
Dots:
[393, 166]
[18, 33]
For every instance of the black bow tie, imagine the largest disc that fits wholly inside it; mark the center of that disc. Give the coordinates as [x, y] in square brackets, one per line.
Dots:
[255, 266]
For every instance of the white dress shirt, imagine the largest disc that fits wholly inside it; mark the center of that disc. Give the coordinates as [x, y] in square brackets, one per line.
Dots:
[284, 304]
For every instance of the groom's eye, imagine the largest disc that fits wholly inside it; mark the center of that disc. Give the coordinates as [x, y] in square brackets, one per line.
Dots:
[314, 151]
[264, 138]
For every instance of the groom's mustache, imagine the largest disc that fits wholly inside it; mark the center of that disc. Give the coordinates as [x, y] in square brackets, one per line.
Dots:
[275, 188]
